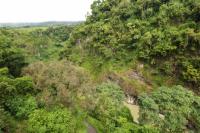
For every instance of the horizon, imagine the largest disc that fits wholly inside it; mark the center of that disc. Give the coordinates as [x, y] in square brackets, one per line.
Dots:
[37, 11]
[41, 22]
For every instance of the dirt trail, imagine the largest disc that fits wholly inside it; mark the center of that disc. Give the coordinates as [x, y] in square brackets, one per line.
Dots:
[90, 128]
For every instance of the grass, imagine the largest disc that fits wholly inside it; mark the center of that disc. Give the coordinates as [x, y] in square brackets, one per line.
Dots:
[29, 29]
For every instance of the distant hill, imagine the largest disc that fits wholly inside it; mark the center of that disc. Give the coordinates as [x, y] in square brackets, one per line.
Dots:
[49, 23]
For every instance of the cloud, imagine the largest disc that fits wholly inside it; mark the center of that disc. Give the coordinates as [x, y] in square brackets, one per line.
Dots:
[43, 10]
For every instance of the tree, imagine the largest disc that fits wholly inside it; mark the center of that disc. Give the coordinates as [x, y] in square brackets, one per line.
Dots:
[109, 109]
[21, 106]
[171, 109]
[7, 123]
[12, 58]
[16, 99]
[154, 31]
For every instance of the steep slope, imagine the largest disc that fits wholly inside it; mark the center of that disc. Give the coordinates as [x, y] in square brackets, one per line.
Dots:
[162, 33]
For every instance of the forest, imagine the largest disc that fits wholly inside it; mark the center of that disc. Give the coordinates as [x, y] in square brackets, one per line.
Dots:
[132, 67]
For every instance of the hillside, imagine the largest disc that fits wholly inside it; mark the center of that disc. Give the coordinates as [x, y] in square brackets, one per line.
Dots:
[132, 67]
[163, 34]
[40, 24]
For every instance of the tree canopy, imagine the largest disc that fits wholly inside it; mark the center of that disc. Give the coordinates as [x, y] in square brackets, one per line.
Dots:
[171, 109]
[162, 33]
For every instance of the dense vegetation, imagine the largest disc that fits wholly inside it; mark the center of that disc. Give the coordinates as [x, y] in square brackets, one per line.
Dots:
[36, 43]
[80, 78]
[171, 109]
[162, 33]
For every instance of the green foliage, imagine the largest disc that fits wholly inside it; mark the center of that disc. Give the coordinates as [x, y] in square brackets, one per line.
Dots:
[58, 120]
[133, 128]
[171, 109]
[110, 114]
[163, 33]
[111, 91]
[35, 43]
[7, 123]
[191, 74]
[2, 119]
[13, 99]
[19, 86]
[4, 72]
[195, 114]
[155, 30]
[60, 33]
[12, 59]
[6, 91]
[10, 56]
[24, 85]
[22, 106]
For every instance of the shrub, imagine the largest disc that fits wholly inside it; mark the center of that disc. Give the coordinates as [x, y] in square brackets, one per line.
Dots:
[7, 123]
[14, 60]
[22, 106]
[56, 121]
[191, 75]
[4, 71]
[109, 109]
[171, 109]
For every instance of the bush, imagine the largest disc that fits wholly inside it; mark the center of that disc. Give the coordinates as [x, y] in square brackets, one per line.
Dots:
[110, 90]
[13, 94]
[24, 85]
[7, 91]
[56, 121]
[14, 60]
[7, 123]
[154, 31]
[191, 75]
[22, 106]
[109, 109]
[4, 71]
[2, 119]
[171, 109]
[11, 87]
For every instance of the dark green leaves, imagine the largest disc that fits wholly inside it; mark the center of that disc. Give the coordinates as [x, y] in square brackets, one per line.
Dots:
[170, 108]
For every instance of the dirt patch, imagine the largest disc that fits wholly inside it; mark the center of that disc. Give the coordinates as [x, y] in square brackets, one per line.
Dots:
[90, 128]
[134, 109]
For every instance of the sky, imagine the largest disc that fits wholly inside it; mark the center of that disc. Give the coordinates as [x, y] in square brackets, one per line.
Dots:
[43, 10]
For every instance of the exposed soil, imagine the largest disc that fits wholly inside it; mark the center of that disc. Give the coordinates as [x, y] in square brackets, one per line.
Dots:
[90, 128]
[134, 111]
